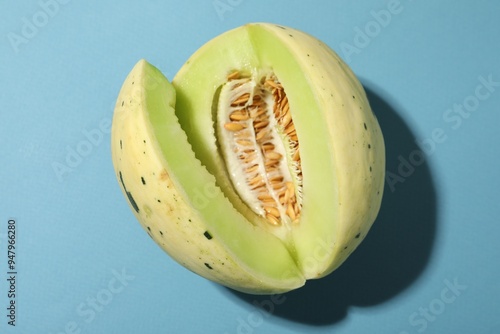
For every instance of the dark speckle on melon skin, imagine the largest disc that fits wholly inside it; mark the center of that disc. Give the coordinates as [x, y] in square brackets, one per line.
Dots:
[207, 235]
[208, 266]
[358, 235]
[143, 181]
[129, 195]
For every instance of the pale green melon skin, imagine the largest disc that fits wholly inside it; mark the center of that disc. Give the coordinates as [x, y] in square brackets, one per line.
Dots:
[342, 150]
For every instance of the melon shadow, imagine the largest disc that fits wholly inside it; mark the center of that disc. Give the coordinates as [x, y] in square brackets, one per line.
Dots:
[394, 253]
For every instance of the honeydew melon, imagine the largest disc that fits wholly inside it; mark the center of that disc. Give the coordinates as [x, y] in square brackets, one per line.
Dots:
[260, 166]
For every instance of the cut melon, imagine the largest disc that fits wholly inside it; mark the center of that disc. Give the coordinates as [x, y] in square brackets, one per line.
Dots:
[260, 166]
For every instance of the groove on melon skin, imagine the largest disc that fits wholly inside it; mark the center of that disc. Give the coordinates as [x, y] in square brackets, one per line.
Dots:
[172, 219]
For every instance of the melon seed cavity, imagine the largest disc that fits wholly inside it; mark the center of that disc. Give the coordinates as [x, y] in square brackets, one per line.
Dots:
[260, 146]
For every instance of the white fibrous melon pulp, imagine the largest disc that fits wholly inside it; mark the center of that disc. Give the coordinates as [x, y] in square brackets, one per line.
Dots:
[260, 146]
[260, 166]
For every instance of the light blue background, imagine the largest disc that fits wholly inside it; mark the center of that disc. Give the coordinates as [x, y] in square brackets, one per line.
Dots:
[76, 233]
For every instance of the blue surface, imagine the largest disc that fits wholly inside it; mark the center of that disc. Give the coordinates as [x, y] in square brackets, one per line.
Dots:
[84, 265]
